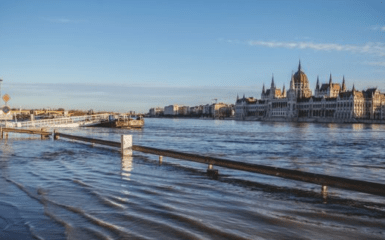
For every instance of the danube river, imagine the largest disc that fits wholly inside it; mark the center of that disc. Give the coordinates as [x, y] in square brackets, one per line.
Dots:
[67, 190]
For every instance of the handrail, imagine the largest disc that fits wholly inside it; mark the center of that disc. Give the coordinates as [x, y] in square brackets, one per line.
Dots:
[90, 140]
[44, 122]
[28, 131]
[320, 179]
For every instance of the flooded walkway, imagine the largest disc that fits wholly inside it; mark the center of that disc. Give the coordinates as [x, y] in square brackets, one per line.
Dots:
[63, 190]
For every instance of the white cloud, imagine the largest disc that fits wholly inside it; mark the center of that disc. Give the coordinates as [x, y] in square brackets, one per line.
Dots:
[59, 20]
[381, 64]
[368, 48]
[380, 28]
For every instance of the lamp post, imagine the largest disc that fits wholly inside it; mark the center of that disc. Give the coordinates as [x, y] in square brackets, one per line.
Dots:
[1, 81]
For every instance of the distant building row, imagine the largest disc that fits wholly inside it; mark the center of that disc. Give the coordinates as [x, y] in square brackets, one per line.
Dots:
[330, 102]
[215, 110]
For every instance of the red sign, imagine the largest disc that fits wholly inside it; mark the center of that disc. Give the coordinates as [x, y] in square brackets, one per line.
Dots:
[6, 98]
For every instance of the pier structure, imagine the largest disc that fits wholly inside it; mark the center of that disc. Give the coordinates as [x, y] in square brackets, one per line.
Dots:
[78, 121]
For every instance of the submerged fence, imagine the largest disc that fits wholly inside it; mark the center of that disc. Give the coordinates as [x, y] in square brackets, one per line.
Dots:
[324, 180]
[42, 132]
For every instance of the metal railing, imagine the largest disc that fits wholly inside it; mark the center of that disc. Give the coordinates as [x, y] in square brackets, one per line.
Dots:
[319, 179]
[42, 132]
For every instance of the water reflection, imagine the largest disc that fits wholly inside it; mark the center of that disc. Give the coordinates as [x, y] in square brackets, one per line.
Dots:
[358, 126]
[6, 148]
[126, 167]
[377, 127]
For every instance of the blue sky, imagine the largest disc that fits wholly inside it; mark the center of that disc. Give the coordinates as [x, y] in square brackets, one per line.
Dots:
[133, 55]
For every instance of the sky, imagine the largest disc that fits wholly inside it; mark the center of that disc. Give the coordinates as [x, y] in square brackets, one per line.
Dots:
[134, 55]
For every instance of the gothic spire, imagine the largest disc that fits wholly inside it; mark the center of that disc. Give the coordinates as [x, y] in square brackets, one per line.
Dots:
[343, 84]
[237, 96]
[263, 88]
[292, 81]
[299, 66]
[330, 80]
[284, 89]
[354, 89]
[272, 82]
[317, 85]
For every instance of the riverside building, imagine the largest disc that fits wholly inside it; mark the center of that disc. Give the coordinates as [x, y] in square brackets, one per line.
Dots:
[331, 102]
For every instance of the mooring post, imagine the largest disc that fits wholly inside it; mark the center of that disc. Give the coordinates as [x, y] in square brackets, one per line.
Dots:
[160, 159]
[126, 145]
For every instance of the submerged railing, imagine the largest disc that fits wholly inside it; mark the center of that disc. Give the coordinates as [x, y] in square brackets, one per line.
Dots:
[320, 179]
[42, 132]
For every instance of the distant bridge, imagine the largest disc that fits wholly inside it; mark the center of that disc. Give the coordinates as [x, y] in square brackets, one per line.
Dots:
[86, 120]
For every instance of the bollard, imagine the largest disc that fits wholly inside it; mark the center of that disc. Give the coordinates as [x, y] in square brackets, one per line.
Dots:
[126, 145]
[160, 160]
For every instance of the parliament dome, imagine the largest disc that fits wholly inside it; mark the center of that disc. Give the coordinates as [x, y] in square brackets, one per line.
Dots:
[300, 77]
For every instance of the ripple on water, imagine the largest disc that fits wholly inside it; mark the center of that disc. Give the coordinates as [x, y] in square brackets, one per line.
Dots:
[91, 193]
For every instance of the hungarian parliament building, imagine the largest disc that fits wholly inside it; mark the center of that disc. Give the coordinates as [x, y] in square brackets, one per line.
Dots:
[331, 102]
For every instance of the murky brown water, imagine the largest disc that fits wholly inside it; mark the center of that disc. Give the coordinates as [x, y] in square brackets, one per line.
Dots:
[66, 190]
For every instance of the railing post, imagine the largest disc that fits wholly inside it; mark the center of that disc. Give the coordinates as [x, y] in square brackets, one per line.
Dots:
[41, 135]
[55, 135]
[160, 160]
[324, 191]
[126, 145]
[212, 172]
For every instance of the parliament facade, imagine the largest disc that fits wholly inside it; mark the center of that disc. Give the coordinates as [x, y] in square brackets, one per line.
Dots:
[331, 102]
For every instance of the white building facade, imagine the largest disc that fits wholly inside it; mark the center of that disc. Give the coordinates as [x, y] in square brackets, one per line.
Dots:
[171, 110]
[330, 101]
[156, 111]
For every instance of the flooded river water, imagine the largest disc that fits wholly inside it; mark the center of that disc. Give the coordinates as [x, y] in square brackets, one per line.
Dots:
[68, 190]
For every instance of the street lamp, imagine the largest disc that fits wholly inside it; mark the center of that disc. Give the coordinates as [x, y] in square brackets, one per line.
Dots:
[1, 81]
